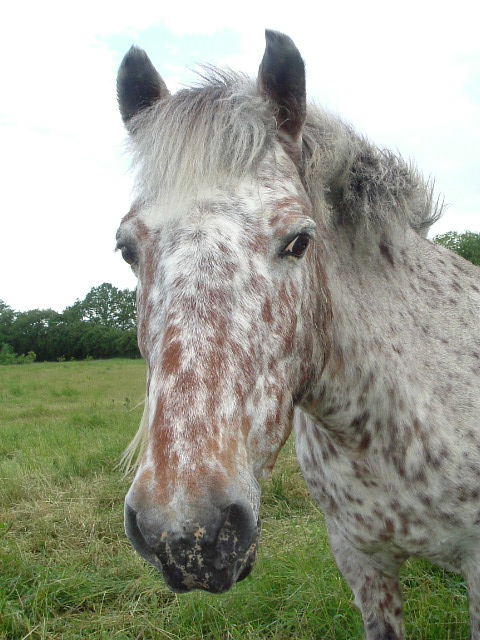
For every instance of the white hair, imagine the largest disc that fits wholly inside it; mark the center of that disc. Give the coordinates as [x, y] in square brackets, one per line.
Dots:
[218, 131]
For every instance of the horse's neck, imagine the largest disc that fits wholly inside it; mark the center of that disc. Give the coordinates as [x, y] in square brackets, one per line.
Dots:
[368, 278]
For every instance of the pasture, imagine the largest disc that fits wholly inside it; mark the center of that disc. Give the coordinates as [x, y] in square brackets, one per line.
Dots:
[68, 572]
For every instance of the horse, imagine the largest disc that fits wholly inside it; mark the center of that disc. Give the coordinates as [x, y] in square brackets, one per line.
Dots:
[285, 281]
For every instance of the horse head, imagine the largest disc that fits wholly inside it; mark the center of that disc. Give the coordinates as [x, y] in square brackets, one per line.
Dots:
[230, 309]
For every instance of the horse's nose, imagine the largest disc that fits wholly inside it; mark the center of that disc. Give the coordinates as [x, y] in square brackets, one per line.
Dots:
[212, 555]
[149, 529]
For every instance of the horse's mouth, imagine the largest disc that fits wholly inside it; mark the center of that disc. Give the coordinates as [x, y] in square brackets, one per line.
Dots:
[206, 576]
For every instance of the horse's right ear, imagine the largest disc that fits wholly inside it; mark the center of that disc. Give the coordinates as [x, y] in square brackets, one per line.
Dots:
[139, 84]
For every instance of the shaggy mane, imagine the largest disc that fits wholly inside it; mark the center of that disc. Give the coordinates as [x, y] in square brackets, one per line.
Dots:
[361, 182]
[208, 135]
[218, 131]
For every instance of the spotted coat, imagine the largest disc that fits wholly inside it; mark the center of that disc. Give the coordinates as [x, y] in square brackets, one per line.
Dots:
[283, 279]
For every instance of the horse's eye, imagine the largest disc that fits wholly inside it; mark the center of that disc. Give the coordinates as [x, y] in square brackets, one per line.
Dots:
[128, 253]
[297, 246]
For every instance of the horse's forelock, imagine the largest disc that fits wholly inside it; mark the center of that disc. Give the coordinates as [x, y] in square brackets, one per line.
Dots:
[210, 135]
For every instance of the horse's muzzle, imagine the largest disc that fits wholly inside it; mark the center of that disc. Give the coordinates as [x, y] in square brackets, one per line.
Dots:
[211, 556]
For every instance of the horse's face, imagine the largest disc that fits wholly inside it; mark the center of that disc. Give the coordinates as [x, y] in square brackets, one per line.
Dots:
[225, 324]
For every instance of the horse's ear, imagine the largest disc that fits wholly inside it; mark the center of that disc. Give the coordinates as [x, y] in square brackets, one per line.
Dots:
[281, 78]
[139, 84]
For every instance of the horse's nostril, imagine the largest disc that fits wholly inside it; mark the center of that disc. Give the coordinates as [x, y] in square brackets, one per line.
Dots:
[131, 526]
[239, 527]
[136, 537]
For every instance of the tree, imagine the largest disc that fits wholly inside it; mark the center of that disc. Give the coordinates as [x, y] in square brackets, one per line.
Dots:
[105, 305]
[31, 331]
[7, 317]
[65, 340]
[465, 244]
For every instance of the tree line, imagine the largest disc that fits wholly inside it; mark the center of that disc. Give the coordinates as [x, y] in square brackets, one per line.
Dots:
[103, 324]
[465, 244]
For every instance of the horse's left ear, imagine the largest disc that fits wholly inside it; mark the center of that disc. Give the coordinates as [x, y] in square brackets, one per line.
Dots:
[281, 78]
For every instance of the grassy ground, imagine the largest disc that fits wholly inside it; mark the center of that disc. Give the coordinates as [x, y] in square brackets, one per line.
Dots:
[67, 571]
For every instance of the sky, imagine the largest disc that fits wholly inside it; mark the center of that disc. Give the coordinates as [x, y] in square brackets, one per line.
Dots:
[406, 75]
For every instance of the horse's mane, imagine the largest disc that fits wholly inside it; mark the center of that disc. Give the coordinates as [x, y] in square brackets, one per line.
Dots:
[362, 183]
[218, 131]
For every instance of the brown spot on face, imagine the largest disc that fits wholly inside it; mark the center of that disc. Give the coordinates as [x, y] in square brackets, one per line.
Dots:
[172, 355]
[288, 203]
[258, 244]
[166, 460]
[267, 314]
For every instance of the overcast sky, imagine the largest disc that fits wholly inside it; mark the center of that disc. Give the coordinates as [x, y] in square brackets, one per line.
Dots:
[405, 74]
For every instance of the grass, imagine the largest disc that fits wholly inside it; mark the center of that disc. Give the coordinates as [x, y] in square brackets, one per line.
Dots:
[67, 571]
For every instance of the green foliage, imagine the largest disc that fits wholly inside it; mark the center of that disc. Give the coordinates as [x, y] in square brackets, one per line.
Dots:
[100, 326]
[8, 356]
[27, 358]
[465, 244]
[106, 305]
[7, 317]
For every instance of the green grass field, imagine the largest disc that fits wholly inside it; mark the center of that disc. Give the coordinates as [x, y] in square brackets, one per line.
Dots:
[67, 571]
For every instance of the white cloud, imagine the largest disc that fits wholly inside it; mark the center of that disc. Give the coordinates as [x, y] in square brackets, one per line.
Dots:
[407, 75]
